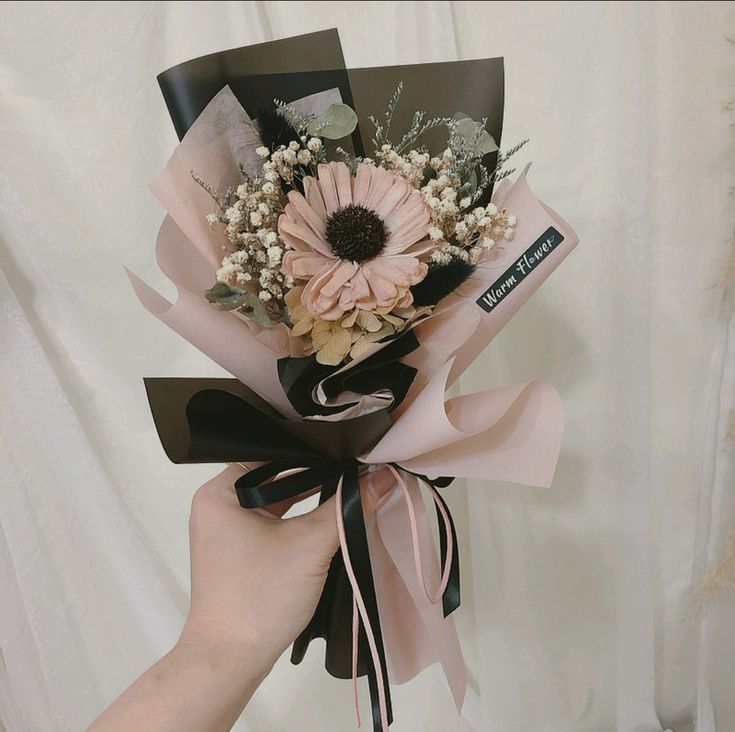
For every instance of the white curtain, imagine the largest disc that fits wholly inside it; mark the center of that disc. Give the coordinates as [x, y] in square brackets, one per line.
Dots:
[576, 613]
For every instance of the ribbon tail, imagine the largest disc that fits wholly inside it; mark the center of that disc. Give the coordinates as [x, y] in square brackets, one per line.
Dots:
[426, 636]
[333, 617]
[356, 555]
[451, 598]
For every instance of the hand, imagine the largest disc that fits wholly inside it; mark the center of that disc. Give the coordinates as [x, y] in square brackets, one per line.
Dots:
[255, 583]
[255, 578]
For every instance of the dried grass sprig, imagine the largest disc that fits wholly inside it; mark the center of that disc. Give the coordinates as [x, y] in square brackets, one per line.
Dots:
[718, 580]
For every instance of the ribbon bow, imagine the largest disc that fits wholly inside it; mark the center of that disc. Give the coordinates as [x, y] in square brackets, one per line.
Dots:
[227, 422]
[341, 479]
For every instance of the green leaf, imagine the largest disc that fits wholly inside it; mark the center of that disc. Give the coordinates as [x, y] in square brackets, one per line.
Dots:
[233, 302]
[226, 297]
[474, 132]
[337, 121]
[257, 311]
[232, 298]
[217, 291]
[469, 184]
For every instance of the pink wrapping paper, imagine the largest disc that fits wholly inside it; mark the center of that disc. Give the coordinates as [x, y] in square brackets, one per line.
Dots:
[509, 433]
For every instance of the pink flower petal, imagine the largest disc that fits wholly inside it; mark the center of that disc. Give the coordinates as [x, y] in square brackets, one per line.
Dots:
[399, 243]
[336, 286]
[328, 188]
[382, 282]
[335, 313]
[315, 222]
[301, 237]
[406, 301]
[416, 250]
[343, 180]
[394, 197]
[403, 270]
[356, 293]
[321, 294]
[303, 265]
[340, 275]
[314, 197]
[413, 210]
[381, 183]
[362, 184]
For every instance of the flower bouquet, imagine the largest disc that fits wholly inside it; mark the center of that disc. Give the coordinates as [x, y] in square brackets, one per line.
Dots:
[345, 243]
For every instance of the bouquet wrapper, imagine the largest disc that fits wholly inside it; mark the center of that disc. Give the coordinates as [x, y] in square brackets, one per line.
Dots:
[386, 605]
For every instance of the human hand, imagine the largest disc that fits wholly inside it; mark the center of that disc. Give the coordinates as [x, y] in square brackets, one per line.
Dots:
[255, 583]
[255, 578]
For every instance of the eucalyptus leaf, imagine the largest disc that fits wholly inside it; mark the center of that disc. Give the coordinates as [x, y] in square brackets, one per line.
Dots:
[474, 132]
[217, 291]
[337, 121]
[469, 184]
[233, 302]
[257, 311]
[226, 297]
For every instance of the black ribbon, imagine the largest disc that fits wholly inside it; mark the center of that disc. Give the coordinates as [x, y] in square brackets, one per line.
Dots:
[381, 371]
[222, 420]
[255, 491]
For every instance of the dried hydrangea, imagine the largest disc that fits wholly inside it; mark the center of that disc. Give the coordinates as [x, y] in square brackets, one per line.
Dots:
[335, 340]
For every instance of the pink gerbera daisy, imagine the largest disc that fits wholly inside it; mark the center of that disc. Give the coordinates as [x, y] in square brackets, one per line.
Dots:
[355, 240]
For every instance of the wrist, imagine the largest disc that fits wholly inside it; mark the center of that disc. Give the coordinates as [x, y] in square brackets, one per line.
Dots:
[225, 652]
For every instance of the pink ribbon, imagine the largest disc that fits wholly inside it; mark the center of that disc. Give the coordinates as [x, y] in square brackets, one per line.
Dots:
[359, 612]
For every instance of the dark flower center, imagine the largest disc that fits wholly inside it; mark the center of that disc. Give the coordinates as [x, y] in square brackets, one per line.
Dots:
[356, 233]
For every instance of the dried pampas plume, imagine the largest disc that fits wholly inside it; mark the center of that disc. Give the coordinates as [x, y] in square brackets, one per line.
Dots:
[717, 581]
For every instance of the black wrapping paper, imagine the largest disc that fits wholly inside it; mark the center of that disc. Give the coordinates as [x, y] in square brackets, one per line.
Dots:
[194, 418]
[293, 68]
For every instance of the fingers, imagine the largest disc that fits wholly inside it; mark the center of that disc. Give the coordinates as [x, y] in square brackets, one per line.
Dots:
[277, 510]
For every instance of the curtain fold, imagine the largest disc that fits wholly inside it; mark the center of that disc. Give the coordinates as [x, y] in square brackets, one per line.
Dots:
[576, 609]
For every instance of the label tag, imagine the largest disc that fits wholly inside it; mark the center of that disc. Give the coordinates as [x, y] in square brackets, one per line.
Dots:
[520, 269]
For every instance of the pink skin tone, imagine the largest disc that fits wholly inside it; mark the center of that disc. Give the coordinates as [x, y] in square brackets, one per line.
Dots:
[255, 582]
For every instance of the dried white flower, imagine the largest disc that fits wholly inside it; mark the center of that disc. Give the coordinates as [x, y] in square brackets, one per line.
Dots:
[233, 215]
[262, 151]
[274, 256]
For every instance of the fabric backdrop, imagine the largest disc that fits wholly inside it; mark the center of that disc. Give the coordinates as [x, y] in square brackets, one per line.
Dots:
[576, 614]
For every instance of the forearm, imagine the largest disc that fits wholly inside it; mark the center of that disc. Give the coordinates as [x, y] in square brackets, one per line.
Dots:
[193, 688]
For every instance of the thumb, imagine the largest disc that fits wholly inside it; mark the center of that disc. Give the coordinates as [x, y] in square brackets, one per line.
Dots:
[322, 523]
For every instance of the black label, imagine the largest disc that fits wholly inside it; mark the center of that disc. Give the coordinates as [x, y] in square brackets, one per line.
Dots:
[520, 269]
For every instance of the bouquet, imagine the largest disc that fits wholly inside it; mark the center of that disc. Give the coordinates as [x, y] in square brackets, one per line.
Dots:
[345, 243]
